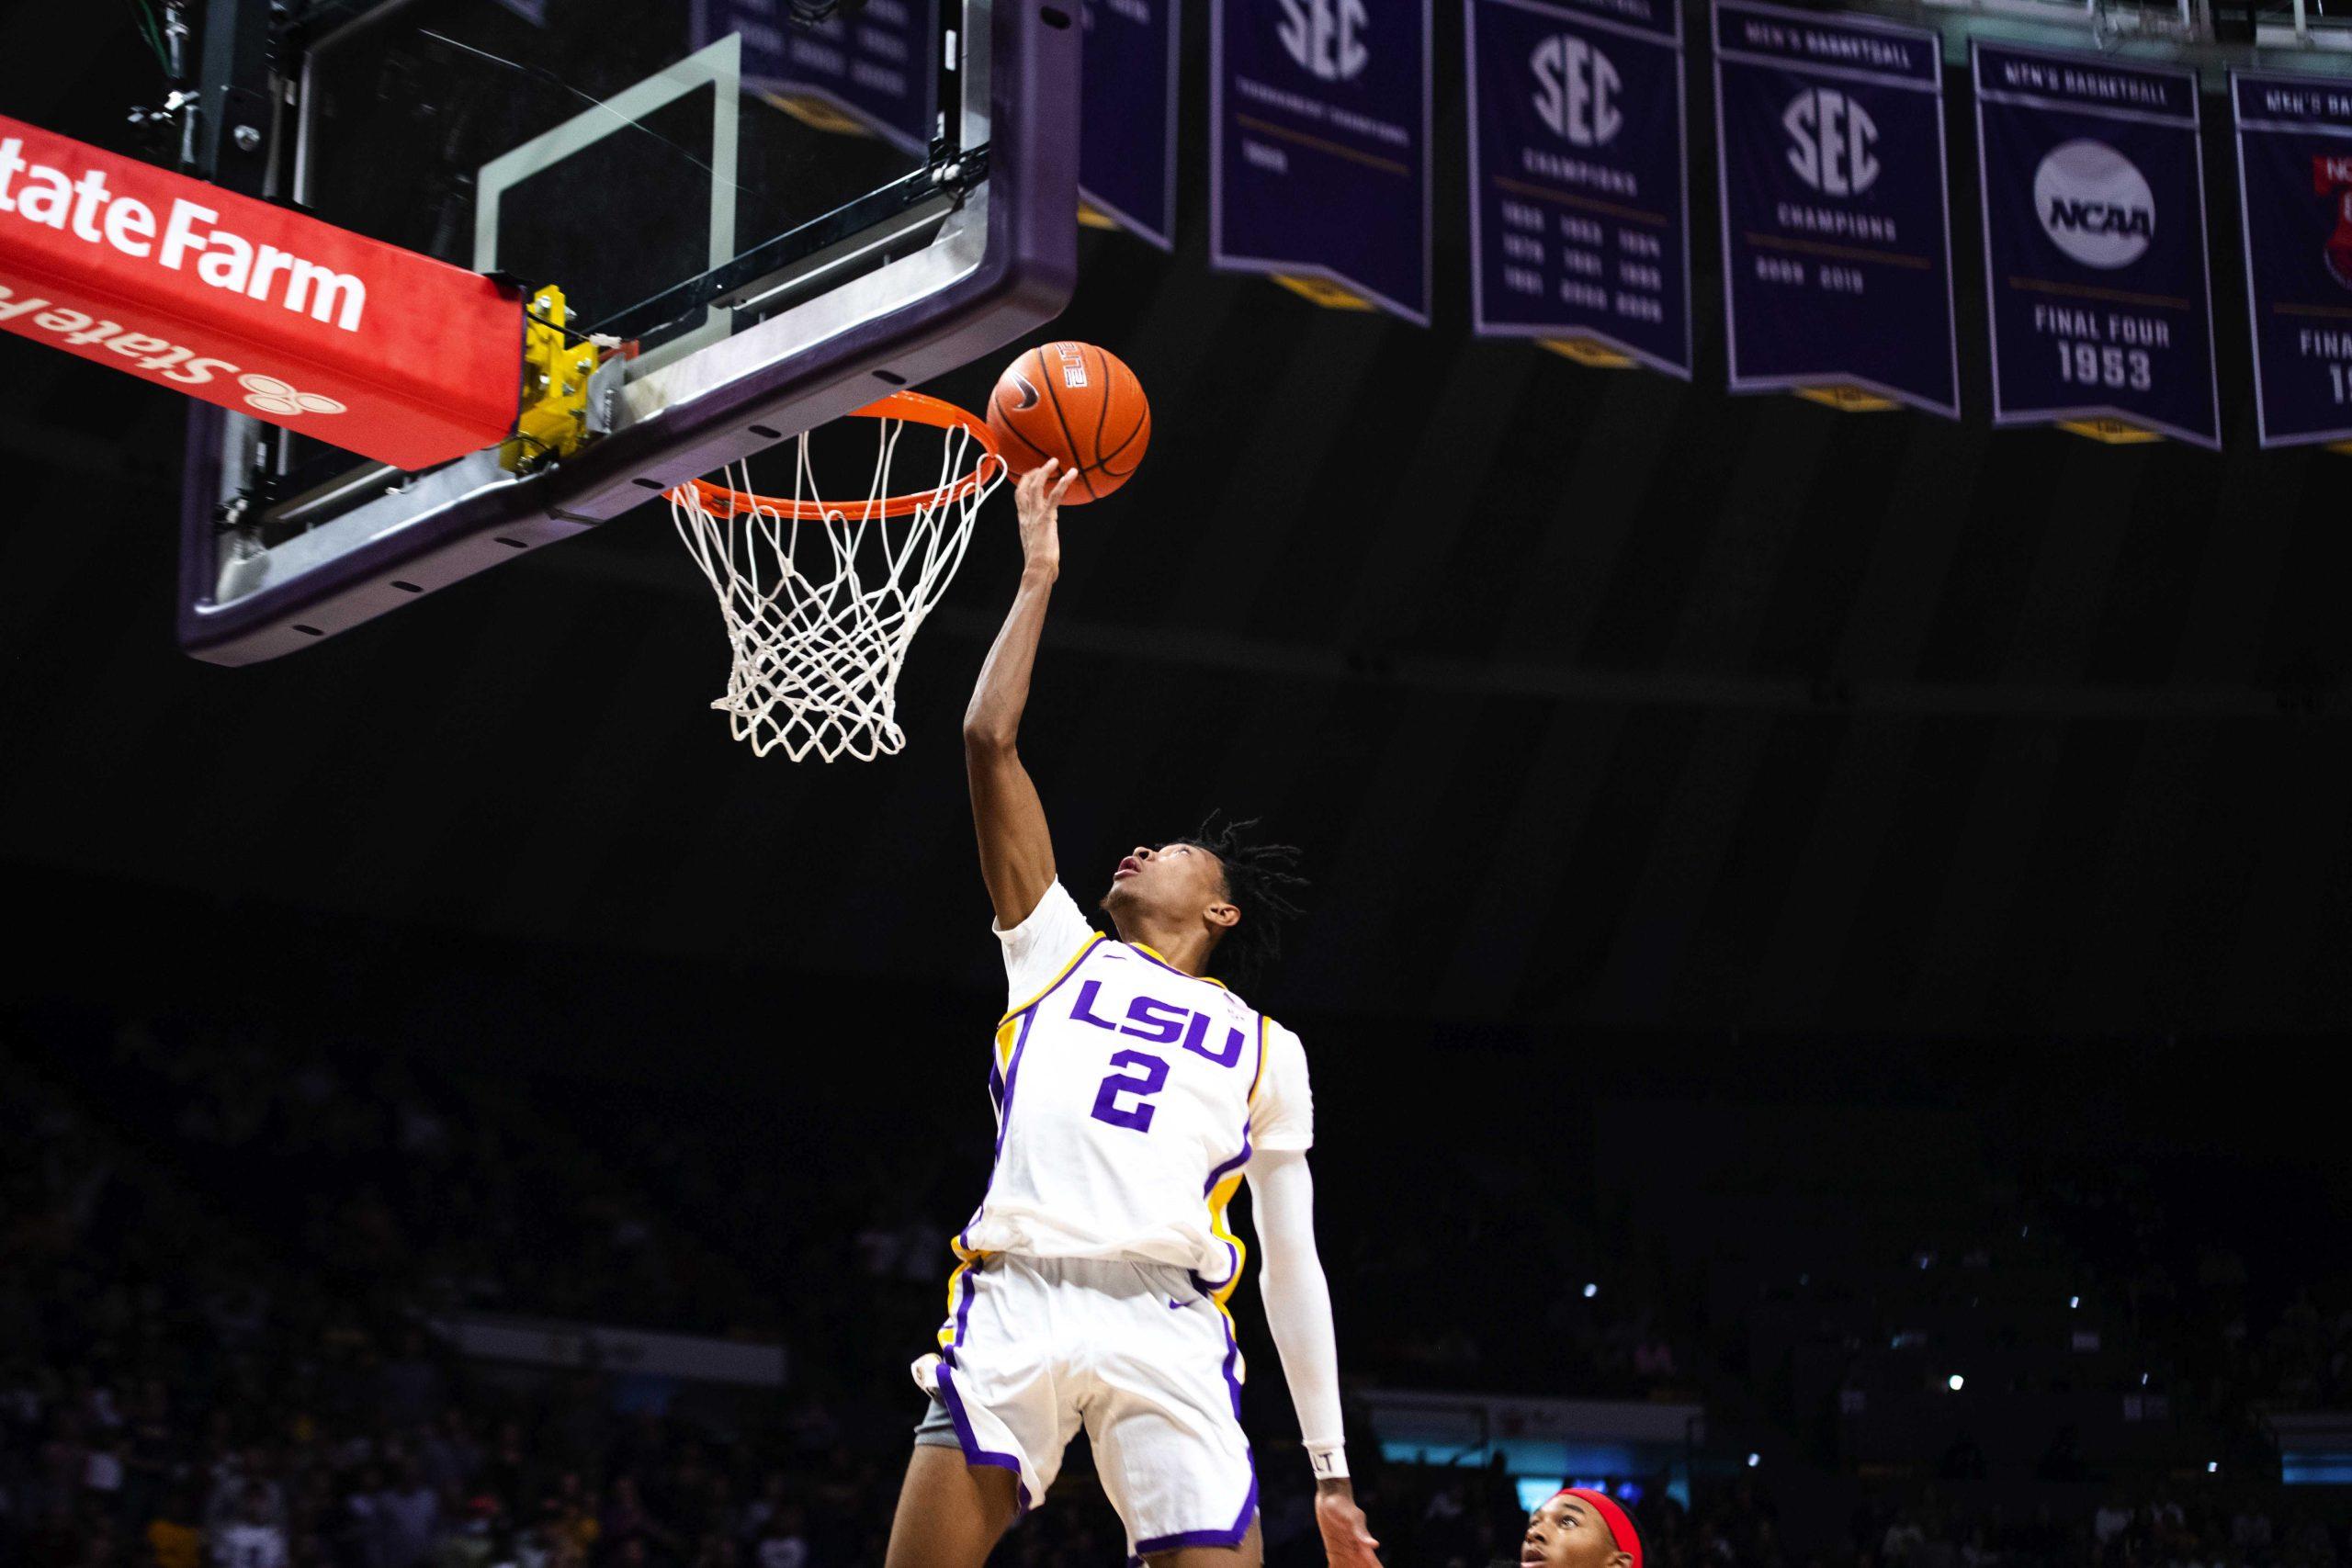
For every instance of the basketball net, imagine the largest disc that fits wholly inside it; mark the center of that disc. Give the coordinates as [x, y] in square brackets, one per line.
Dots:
[820, 600]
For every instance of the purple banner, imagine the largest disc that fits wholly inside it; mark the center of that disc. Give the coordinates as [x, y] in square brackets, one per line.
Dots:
[1318, 144]
[1836, 212]
[1579, 211]
[2294, 136]
[1126, 164]
[875, 72]
[2095, 264]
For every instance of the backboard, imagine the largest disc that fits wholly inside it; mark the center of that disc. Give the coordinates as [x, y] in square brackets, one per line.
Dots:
[767, 221]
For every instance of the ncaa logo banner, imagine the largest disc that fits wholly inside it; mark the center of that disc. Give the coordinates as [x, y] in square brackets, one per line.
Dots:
[1837, 217]
[1126, 161]
[2295, 140]
[873, 74]
[1319, 147]
[2094, 265]
[1579, 215]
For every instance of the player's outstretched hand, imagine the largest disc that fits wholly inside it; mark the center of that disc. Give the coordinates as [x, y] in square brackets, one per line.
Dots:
[1347, 1539]
[1039, 496]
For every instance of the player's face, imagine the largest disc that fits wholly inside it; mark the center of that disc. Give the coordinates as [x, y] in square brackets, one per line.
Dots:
[1174, 881]
[1566, 1533]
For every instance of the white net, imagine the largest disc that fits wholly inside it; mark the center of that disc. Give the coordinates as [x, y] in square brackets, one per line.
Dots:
[821, 600]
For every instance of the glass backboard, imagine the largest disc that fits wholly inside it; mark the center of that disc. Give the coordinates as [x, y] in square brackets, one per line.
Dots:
[767, 219]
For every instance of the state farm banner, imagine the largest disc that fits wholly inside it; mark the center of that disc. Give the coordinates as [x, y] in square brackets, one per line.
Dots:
[2294, 136]
[1835, 214]
[1318, 144]
[1580, 208]
[875, 72]
[1126, 162]
[264, 310]
[2094, 267]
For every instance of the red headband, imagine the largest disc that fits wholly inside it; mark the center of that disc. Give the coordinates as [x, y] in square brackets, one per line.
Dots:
[1619, 1523]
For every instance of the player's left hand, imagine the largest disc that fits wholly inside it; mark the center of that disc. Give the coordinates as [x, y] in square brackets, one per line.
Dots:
[1347, 1539]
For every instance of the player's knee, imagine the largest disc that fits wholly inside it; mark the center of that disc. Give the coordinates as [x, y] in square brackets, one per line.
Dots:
[950, 1515]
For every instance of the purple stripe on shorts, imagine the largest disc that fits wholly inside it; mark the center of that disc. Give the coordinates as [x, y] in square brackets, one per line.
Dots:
[976, 1455]
[1230, 1537]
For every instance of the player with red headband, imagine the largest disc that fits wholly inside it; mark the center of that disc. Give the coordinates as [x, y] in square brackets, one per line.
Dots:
[1579, 1528]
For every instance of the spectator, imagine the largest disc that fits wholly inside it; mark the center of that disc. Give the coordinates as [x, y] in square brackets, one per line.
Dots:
[173, 1538]
[253, 1538]
[781, 1540]
[408, 1519]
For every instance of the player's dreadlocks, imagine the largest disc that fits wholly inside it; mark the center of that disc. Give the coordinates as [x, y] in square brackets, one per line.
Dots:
[1259, 879]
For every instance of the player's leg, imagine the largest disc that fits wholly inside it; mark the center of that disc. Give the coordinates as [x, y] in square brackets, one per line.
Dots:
[1249, 1553]
[1165, 1419]
[991, 1440]
[951, 1515]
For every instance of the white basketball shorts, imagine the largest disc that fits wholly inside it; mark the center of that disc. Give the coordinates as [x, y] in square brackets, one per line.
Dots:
[1140, 1355]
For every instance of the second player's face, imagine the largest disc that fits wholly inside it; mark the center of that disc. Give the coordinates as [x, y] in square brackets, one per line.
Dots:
[1565, 1532]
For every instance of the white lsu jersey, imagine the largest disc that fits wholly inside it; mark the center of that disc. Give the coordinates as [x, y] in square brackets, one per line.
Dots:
[1129, 1097]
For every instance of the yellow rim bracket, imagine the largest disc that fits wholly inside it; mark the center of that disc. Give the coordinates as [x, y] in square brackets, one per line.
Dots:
[556, 371]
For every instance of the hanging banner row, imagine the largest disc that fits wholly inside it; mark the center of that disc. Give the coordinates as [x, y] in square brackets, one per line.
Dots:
[1835, 204]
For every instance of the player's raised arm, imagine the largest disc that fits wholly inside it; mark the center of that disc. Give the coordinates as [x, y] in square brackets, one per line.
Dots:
[1016, 852]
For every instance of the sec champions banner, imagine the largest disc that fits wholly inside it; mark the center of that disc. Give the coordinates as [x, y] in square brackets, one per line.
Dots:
[1579, 213]
[1319, 147]
[1127, 162]
[2094, 272]
[2294, 136]
[1836, 218]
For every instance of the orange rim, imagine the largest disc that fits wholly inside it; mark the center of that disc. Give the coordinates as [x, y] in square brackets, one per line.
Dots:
[914, 408]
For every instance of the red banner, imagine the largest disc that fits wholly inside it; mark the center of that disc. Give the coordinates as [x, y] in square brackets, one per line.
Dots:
[257, 308]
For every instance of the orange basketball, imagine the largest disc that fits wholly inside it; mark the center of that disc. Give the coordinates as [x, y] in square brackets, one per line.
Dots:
[1079, 404]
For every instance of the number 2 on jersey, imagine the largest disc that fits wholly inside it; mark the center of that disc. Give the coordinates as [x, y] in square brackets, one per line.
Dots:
[1143, 1084]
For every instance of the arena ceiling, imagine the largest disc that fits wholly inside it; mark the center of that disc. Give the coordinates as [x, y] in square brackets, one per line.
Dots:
[1596, 698]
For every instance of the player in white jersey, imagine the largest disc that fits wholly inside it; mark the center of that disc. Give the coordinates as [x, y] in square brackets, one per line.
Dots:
[1134, 1094]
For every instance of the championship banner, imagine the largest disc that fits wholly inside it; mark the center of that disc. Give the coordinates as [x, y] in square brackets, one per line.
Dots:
[871, 73]
[1318, 148]
[2295, 136]
[2094, 267]
[1126, 162]
[1579, 211]
[264, 310]
[1835, 213]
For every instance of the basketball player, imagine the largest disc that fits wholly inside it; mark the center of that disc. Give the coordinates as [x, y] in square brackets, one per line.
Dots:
[1134, 1094]
[1577, 1528]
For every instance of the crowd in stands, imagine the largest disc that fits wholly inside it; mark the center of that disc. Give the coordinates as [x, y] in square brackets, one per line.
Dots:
[216, 1261]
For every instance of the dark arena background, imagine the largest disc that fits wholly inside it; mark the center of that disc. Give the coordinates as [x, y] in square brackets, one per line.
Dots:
[1830, 944]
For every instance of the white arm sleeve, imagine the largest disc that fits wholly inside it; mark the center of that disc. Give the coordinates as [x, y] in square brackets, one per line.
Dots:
[1298, 1299]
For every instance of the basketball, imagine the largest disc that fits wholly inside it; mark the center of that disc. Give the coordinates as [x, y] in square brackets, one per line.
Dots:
[1079, 404]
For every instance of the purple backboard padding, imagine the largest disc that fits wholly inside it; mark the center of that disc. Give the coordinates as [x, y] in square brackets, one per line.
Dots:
[1030, 267]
